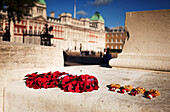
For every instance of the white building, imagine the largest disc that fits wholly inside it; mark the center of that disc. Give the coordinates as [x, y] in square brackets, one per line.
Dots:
[69, 33]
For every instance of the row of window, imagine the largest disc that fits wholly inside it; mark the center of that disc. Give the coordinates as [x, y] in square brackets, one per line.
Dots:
[109, 35]
[119, 30]
[29, 40]
[77, 23]
[115, 40]
[21, 23]
[18, 23]
[20, 30]
[57, 28]
[18, 39]
[114, 47]
[57, 34]
[37, 24]
[39, 10]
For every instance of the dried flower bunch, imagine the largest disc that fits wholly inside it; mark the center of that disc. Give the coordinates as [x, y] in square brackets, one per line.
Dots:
[133, 91]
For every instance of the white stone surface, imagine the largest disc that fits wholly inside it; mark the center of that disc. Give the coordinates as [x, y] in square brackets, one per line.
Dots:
[16, 60]
[148, 45]
[19, 98]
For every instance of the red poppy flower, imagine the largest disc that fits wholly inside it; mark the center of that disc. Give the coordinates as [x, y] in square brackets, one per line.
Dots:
[88, 86]
[70, 87]
[77, 87]
[65, 81]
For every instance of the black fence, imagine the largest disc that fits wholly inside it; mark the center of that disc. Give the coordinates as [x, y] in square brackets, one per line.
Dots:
[114, 50]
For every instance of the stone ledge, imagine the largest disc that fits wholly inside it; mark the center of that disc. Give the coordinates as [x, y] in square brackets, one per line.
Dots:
[17, 55]
[19, 98]
[146, 64]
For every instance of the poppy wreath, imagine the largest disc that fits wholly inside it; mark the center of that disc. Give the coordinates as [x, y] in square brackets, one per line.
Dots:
[63, 80]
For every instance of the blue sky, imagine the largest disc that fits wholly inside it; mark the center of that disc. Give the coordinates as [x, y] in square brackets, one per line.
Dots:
[113, 11]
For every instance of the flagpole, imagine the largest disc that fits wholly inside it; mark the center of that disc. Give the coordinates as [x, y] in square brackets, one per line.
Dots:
[75, 9]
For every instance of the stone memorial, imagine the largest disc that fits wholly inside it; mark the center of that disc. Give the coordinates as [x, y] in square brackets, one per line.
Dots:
[148, 44]
[17, 59]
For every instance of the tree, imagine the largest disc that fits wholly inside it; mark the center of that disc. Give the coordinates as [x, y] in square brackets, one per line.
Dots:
[16, 9]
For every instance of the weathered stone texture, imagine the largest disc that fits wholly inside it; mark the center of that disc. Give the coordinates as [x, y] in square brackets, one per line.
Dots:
[17, 60]
[19, 56]
[19, 98]
[149, 42]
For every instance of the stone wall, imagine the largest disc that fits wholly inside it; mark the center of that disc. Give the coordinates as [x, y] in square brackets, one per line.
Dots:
[17, 60]
[149, 41]
[21, 56]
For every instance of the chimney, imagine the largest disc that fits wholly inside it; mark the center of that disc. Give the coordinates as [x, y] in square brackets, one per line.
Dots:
[52, 14]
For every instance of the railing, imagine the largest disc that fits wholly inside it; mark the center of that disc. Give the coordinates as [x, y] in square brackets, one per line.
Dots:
[1, 37]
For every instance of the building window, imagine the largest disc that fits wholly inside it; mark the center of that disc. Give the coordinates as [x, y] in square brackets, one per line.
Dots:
[112, 47]
[23, 22]
[121, 35]
[19, 30]
[112, 40]
[116, 47]
[24, 30]
[116, 35]
[108, 40]
[15, 30]
[113, 35]
[121, 40]
[116, 40]
[107, 46]
[19, 23]
[39, 10]
[120, 47]
[108, 35]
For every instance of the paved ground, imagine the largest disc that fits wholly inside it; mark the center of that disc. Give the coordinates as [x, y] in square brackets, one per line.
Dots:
[81, 60]
[74, 59]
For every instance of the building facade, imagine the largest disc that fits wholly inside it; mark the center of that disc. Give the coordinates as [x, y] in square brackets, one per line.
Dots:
[69, 33]
[115, 38]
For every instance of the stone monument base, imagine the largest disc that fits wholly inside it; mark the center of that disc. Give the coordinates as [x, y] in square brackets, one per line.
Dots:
[19, 98]
[147, 46]
[148, 62]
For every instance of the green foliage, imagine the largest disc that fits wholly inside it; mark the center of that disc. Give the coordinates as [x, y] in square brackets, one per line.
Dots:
[17, 9]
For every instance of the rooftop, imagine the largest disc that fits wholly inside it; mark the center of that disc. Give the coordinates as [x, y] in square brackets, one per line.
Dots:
[42, 2]
[96, 17]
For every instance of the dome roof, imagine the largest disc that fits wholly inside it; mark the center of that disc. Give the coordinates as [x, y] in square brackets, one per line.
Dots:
[41, 2]
[96, 17]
